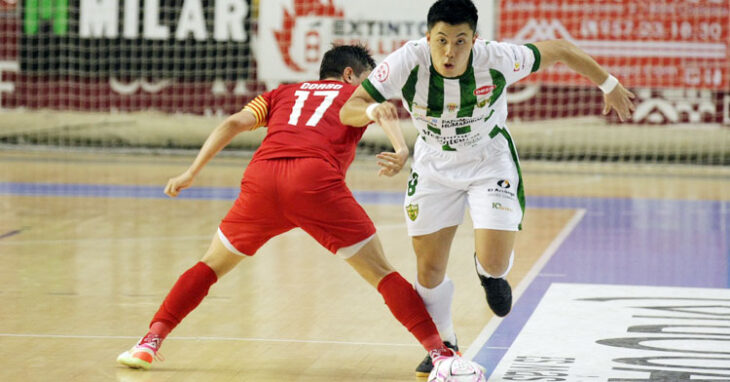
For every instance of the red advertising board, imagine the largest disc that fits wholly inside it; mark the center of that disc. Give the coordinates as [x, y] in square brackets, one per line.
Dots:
[653, 43]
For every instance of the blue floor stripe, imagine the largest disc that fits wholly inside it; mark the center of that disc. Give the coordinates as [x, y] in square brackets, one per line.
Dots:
[111, 191]
[81, 190]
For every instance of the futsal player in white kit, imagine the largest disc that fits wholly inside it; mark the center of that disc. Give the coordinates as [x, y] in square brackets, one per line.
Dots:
[454, 86]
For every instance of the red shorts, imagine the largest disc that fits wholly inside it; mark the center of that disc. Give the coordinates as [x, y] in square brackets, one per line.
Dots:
[280, 194]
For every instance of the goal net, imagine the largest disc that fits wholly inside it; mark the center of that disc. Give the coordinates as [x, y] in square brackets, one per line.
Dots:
[674, 55]
[161, 73]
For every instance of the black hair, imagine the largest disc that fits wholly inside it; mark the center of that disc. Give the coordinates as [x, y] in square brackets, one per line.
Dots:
[453, 12]
[340, 57]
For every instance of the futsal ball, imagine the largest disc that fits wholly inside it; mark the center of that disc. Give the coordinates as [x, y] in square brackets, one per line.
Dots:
[456, 369]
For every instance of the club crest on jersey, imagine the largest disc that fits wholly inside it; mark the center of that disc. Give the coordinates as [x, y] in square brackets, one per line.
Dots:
[481, 103]
[412, 210]
[382, 72]
[517, 67]
[484, 90]
[452, 107]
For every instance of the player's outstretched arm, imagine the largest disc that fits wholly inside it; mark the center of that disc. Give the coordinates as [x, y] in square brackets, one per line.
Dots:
[615, 96]
[392, 162]
[221, 136]
[360, 110]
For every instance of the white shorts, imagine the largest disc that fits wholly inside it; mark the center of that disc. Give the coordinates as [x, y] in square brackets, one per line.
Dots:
[443, 183]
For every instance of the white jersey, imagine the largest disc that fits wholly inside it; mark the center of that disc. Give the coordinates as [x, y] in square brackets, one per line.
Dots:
[454, 114]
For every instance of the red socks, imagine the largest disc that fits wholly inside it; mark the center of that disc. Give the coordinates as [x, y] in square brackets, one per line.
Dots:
[408, 308]
[399, 295]
[185, 295]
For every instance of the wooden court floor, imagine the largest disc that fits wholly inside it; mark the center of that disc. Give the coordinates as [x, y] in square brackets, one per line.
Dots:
[82, 274]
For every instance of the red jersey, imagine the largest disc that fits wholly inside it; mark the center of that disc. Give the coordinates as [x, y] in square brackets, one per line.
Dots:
[303, 120]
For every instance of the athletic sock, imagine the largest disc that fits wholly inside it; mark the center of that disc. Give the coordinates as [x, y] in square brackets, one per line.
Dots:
[185, 295]
[483, 272]
[438, 303]
[408, 308]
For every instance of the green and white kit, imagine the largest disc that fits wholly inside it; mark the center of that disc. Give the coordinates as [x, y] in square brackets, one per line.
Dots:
[464, 154]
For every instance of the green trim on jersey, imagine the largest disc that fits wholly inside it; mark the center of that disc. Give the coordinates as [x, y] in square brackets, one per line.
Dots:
[467, 86]
[499, 82]
[520, 189]
[409, 89]
[435, 95]
[368, 86]
[536, 52]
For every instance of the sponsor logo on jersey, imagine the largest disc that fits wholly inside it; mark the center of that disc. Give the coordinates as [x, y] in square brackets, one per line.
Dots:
[499, 206]
[501, 193]
[484, 90]
[382, 72]
[431, 121]
[412, 211]
[481, 103]
[459, 122]
[504, 183]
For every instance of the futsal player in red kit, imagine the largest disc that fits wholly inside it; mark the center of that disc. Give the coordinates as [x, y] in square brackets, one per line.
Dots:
[297, 179]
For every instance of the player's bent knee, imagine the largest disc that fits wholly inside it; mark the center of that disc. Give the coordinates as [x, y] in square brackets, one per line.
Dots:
[370, 261]
[352, 250]
[219, 258]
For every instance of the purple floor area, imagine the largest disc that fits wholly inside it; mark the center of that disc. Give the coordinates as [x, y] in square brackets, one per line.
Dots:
[627, 242]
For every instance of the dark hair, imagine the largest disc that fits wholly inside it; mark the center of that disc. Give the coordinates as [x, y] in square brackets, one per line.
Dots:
[453, 12]
[340, 57]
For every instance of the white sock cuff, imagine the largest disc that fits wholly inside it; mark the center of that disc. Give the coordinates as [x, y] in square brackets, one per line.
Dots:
[483, 272]
[446, 287]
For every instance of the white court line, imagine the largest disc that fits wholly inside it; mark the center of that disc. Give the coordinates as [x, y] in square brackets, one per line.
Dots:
[492, 325]
[236, 339]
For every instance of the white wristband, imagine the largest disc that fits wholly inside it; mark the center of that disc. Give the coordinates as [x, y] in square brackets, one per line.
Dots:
[370, 109]
[609, 84]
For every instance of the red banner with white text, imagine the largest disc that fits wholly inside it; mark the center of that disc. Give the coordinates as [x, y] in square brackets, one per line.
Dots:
[654, 43]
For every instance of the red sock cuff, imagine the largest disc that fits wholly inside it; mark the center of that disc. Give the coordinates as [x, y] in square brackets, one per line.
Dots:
[407, 306]
[205, 272]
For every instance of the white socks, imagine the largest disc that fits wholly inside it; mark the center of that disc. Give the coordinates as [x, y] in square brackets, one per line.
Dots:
[438, 303]
[482, 272]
